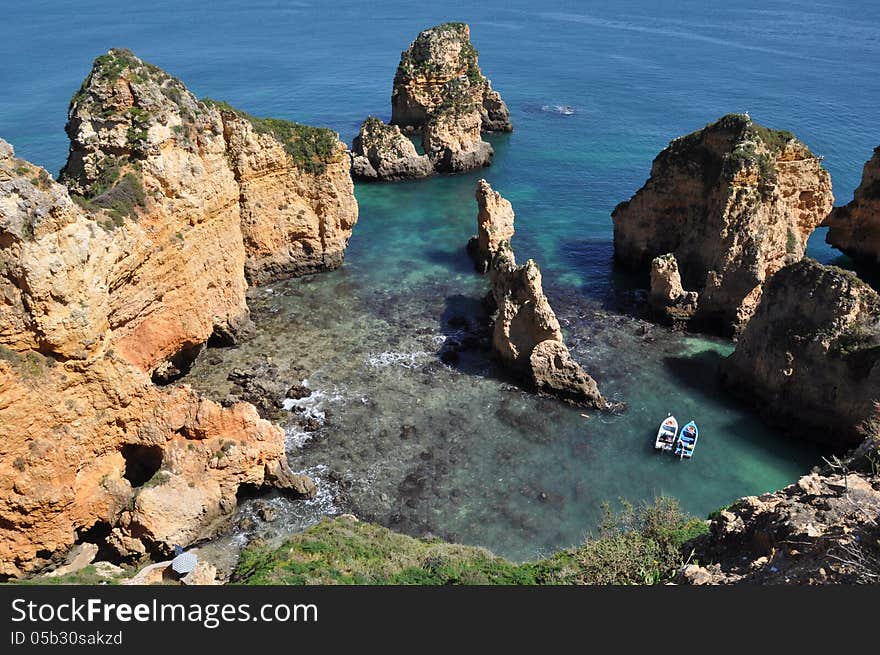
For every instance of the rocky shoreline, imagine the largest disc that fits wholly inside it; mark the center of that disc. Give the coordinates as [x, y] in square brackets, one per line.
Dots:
[120, 279]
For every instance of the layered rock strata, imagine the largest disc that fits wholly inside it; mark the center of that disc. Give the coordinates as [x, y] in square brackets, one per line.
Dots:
[855, 227]
[441, 95]
[810, 357]
[494, 226]
[122, 279]
[136, 131]
[526, 338]
[733, 202]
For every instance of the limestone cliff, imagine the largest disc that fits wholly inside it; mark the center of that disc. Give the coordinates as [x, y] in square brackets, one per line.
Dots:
[733, 202]
[526, 336]
[441, 95]
[125, 278]
[141, 143]
[810, 357]
[451, 135]
[855, 227]
[382, 152]
[429, 72]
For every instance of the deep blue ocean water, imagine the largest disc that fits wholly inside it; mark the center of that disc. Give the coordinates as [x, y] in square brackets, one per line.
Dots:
[637, 74]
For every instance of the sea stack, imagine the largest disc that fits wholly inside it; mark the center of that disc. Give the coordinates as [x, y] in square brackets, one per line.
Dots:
[441, 96]
[810, 356]
[733, 203]
[526, 338]
[112, 285]
[667, 297]
[494, 226]
[855, 227]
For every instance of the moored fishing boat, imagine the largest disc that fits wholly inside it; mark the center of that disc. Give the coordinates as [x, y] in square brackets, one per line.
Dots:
[666, 434]
[687, 441]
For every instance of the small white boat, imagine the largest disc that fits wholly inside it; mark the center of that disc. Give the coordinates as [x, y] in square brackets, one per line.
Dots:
[667, 434]
[687, 441]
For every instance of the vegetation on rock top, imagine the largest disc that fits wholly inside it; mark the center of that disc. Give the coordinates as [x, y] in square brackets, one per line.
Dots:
[310, 148]
[637, 545]
[411, 65]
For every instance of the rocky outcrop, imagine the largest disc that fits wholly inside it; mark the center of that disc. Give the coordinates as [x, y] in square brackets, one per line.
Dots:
[112, 286]
[296, 194]
[441, 95]
[667, 297]
[494, 226]
[382, 152]
[526, 336]
[855, 227]
[431, 70]
[810, 357]
[142, 144]
[733, 202]
[451, 136]
[820, 530]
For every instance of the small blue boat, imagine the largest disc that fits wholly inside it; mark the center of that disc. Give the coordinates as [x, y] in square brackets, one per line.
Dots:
[687, 441]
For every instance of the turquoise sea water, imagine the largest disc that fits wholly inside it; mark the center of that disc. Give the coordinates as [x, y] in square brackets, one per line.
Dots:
[456, 451]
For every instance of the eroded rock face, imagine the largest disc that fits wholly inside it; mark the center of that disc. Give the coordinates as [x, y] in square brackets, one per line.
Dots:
[526, 336]
[383, 152]
[441, 95]
[668, 298]
[855, 227]
[141, 144]
[451, 139]
[733, 202]
[819, 530]
[494, 226]
[121, 281]
[296, 195]
[429, 73]
[810, 357]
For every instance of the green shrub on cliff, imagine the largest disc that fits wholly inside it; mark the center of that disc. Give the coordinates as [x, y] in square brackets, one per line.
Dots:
[121, 198]
[638, 545]
[310, 148]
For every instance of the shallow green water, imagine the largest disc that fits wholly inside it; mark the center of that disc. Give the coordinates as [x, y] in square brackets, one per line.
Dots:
[458, 451]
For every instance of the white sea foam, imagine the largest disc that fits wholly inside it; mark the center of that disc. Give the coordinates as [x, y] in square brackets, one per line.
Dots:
[393, 358]
[312, 407]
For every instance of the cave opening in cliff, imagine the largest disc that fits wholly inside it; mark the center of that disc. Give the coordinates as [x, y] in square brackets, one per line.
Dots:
[177, 365]
[98, 534]
[141, 462]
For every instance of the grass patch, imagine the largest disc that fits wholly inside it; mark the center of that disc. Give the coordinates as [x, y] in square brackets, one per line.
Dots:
[642, 544]
[85, 576]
